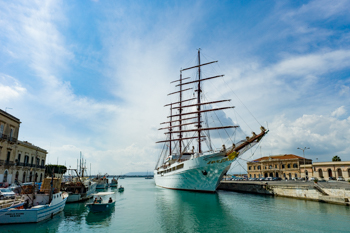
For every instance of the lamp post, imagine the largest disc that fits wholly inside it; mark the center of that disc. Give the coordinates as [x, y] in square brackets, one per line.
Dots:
[305, 148]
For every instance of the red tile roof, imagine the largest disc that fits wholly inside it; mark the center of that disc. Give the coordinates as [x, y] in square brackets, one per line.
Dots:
[289, 156]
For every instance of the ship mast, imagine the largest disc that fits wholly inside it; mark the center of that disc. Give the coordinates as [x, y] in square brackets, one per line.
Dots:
[170, 129]
[180, 115]
[197, 114]
[199, 102]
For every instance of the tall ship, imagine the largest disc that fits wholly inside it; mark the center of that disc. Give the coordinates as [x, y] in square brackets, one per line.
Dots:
[185, 163]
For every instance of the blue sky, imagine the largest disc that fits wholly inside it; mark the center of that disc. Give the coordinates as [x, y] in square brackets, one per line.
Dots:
[93, 76]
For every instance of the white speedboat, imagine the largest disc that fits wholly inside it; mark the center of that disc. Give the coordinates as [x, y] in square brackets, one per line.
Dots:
[37, 207]
[197, 169]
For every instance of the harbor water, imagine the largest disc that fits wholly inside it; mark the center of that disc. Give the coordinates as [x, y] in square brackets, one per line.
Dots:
[143, 207]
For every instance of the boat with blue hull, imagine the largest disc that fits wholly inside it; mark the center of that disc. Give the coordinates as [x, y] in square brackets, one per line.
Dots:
[188, 125]
[101, 205]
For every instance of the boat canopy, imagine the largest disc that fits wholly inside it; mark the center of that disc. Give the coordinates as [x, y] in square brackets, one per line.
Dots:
[103, 193]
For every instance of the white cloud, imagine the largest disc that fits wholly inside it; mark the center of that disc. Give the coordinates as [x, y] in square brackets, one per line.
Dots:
[10, 88]
[339, 112]
[325, 135]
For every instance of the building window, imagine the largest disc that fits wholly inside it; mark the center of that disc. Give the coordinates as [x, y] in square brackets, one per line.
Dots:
[1, 129]
[11, 133]
[32, 161]
[330, 173]
[270, 167]
[254, 176]
[320, 173]
[42, 163]
[36, 177]
[296, 175]
[24, 178]
[16, 177]
[275, 166]
[259, 167]
[26, 160]
[41, 177]
[250, 175]
[340, 173]
[254, 167]
[5, 176]
[282, 166]
[295, 165]
[19, 158]
[249, 168]
[8, 156]
[37, 161]
[30, 177]
[288, 165]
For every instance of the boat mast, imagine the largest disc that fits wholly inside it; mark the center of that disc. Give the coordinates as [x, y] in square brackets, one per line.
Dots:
[170, 129]
[180, 114]
[198, 102]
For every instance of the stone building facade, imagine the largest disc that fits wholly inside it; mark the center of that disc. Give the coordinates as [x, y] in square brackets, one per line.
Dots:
[284, 166]
[19, 160]
[324, 170]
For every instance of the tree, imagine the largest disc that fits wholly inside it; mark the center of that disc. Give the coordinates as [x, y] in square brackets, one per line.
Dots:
[56, 169]
[336, 158]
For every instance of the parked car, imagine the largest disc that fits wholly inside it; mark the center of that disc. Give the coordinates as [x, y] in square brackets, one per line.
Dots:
[340, 179]
[331, 178]
[6, 193]
[312, 179]
[262, 179]
[321, 180]
[276, 178]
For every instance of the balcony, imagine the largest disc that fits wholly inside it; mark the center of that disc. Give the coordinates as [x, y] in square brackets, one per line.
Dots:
[8, 163]
[5, 137]
[12, 140]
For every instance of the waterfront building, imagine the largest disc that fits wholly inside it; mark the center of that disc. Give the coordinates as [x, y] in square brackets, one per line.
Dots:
[324, 170]
[19, 160]
[284, 166]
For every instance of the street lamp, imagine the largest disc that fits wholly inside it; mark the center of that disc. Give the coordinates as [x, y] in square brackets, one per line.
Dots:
[305, 148]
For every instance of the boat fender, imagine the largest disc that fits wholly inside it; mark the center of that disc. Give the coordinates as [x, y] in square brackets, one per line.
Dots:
[205, 172]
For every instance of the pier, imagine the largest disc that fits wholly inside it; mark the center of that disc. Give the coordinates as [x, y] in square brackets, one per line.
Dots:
[328, 192]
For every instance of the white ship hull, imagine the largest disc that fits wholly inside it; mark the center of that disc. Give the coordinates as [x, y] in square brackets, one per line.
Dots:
[35, 214]
[197, 174]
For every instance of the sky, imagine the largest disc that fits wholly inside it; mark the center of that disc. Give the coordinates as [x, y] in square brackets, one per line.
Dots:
[93, 76]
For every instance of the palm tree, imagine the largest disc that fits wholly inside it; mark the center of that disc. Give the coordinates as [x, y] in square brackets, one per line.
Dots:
[336, 158]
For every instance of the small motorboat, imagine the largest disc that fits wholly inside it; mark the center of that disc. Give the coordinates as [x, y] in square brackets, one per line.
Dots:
[121, 189]
[101, 205]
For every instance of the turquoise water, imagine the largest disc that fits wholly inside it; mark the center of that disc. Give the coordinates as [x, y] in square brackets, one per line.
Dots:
[143, 207]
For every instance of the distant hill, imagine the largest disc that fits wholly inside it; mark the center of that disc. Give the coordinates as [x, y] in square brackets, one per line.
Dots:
[138, 174]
